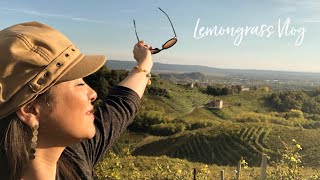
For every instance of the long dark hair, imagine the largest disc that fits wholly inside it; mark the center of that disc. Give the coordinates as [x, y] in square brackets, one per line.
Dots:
[15, 141]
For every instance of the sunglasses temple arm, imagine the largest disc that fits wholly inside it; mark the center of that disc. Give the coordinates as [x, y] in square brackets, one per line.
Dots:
[169, 21]
[135, 29]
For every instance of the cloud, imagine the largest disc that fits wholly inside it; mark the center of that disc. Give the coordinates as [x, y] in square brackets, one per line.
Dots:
[311, 5]
[88, 20]
[129, 11]
[311, 20]
[31, 12]
[287, 9]
[37, 13]
[306, 4]
[308, 10]
[167, 28]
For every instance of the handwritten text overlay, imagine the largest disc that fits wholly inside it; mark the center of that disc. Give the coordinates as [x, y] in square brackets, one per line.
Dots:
[283, 29]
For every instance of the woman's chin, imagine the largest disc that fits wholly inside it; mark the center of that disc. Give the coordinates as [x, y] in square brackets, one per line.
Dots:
[92, 134]
[89, 135]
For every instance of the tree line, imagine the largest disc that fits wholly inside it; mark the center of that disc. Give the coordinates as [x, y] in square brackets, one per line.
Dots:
[306, 101]
[221, 91]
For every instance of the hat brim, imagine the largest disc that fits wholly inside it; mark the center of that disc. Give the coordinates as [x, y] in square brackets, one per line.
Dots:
[86, 66]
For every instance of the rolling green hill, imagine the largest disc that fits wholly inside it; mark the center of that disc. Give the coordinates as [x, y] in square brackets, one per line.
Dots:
[175, 121]
[180, 100]
[226, 143]
[246, 127]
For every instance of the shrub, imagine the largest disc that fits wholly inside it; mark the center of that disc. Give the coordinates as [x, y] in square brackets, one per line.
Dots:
[200, 124]
[166, 129]
[158, 91]
[289, 165]
[315, 117]
[294, 113]
[312, 125]
[145, 120]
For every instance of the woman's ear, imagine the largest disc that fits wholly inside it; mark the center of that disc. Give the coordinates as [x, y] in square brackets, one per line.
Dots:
[29, 114]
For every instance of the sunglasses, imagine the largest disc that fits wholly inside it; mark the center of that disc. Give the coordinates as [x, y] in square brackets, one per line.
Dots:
[167, 44]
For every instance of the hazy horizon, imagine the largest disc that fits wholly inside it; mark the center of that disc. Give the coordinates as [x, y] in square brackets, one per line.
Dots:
[220, 68]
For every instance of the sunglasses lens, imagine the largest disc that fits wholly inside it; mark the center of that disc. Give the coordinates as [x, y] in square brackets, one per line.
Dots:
[155, 51]
[169, 43]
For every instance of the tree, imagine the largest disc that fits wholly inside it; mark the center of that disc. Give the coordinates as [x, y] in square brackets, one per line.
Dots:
[265, 89]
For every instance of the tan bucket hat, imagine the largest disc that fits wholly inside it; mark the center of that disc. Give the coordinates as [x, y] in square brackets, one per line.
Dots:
[34, 57]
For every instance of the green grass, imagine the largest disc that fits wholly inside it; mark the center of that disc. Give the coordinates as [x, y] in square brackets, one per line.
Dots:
[222, 113]
[145, 168]
[200, 114]
[251, 101]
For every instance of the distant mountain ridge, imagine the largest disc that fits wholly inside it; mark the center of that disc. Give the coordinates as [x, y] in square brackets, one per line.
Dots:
[173, 77]
[245, 73]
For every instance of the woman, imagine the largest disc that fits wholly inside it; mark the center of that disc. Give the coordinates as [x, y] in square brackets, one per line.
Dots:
[47, 124]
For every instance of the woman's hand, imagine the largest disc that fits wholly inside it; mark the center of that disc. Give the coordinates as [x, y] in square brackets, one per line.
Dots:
[142, 54]
[137, 80]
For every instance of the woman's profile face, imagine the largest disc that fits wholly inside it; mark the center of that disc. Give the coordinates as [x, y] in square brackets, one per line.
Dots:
[70, 119]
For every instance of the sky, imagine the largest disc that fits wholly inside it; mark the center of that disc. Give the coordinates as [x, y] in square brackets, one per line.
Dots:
[236, 34]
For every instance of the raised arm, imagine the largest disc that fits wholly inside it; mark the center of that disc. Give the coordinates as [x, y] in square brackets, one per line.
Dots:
[137, 79]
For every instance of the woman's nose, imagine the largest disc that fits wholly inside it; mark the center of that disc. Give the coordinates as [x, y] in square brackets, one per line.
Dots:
[92, 95]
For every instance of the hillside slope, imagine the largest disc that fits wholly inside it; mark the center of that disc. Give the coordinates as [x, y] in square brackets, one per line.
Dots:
[226, 143]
